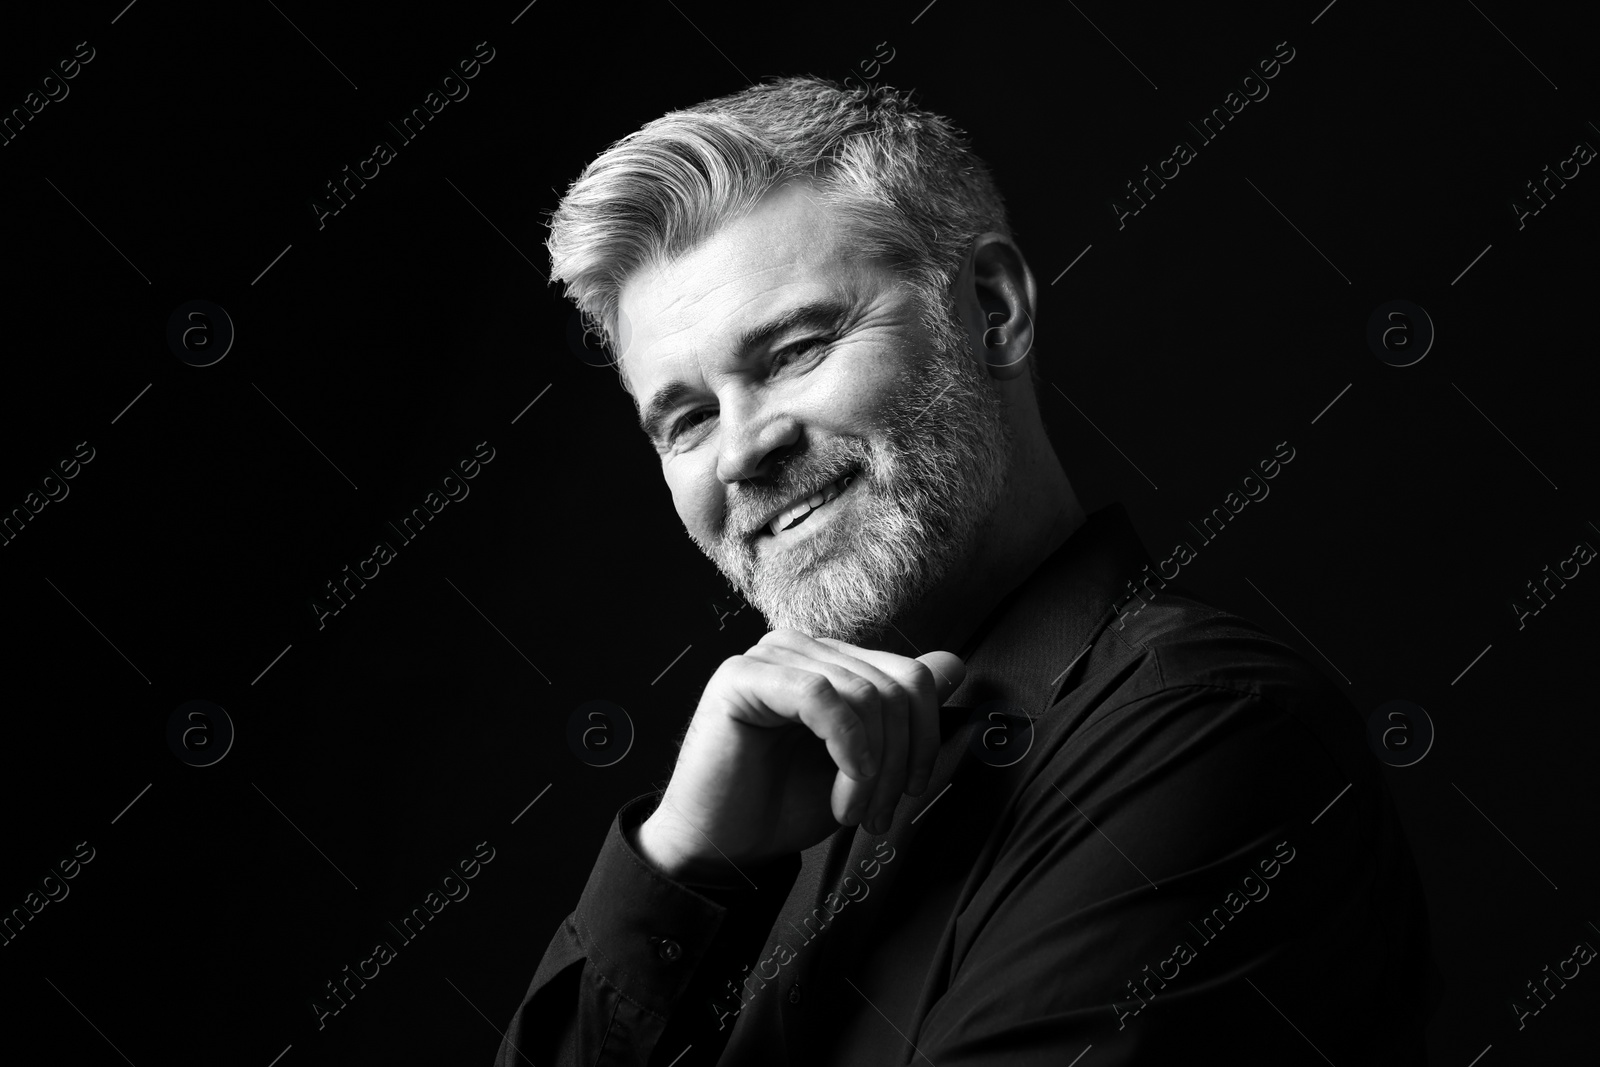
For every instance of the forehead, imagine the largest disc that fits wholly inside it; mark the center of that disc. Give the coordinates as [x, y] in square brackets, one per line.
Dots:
[787, 250]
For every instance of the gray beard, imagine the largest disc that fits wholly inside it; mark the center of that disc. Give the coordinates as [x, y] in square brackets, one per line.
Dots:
[926, 495]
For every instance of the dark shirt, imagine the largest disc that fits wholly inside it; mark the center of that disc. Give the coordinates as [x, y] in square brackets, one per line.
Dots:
[1154, 832]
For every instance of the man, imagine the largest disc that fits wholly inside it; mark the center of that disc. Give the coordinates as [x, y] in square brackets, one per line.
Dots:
[1114, 823]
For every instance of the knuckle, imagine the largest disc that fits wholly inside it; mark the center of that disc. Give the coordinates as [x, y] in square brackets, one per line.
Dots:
[816, 686]
[864, 691]
[920, 677]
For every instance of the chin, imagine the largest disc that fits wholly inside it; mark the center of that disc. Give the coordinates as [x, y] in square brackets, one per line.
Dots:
[849, 590]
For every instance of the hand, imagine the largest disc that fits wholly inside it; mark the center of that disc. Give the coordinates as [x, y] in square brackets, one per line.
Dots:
[791, 740]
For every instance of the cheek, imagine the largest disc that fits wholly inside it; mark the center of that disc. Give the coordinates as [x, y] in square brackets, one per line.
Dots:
[859, 383]
[696, 495]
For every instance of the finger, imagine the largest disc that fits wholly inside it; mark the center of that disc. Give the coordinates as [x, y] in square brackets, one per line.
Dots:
[928, 681]
[946, 668]
[921, 686]
[948, 672]
[770, 694]
[816, 651]
[891, 781]
[839, 706]
[893, 711]
[886, 706]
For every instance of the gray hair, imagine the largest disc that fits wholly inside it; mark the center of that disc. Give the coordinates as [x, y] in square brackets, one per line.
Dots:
[912, 193]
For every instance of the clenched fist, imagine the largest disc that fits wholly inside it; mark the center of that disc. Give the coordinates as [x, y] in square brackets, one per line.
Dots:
[791, 740]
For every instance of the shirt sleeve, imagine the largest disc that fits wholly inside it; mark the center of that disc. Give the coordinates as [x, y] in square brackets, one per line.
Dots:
[626, 978]
[1200, 875]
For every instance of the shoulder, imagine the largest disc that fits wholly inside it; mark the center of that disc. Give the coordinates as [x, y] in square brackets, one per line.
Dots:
[1180, 649]
[1189, 642]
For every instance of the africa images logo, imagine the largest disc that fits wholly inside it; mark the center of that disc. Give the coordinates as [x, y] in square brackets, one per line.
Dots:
[851, 887]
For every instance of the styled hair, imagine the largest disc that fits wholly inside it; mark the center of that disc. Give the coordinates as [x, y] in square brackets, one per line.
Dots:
[910, 190]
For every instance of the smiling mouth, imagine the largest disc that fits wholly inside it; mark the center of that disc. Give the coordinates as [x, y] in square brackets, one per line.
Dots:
[802, 510]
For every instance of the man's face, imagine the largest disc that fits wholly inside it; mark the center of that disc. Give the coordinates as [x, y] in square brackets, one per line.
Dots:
[773, 364]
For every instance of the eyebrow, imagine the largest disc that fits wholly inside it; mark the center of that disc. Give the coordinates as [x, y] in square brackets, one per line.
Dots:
[829, 314]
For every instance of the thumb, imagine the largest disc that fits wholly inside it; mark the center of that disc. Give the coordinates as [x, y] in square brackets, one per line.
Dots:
[948, 671]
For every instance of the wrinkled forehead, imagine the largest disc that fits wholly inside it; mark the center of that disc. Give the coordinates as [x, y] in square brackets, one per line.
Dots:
[790, 250]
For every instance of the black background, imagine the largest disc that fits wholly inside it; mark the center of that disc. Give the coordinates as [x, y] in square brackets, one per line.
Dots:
[379, 350]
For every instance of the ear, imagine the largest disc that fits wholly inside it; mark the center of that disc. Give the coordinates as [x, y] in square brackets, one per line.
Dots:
[995, 296]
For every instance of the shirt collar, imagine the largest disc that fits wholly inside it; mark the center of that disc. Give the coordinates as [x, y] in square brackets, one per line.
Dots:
[1024, 648]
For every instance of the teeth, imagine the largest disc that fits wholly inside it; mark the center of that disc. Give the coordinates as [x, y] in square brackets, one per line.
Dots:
[816, 500]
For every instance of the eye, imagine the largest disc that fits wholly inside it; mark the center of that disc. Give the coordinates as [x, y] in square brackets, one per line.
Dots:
[689, 422]
[800, 348]
[782, 357]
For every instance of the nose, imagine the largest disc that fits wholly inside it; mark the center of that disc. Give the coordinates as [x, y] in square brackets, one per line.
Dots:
[754, 438]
